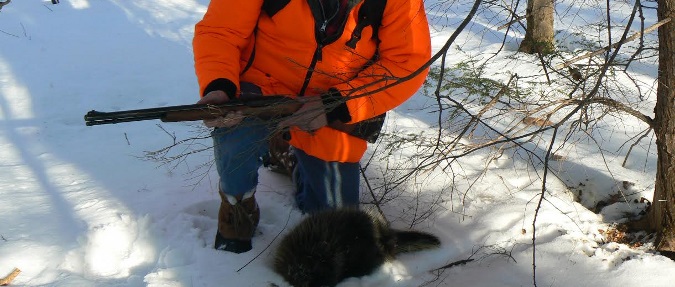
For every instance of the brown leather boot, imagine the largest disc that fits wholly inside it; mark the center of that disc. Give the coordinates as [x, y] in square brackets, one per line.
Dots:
[237, 221]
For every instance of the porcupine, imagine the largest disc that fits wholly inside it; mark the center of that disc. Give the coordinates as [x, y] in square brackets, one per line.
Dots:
[330, 246]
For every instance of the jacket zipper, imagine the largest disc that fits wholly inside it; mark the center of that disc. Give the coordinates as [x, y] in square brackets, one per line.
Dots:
[310, 70]
[321, 38]
[326, 19]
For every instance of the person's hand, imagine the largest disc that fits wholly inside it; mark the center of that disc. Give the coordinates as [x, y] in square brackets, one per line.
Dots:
[310, 117]
[229, 120]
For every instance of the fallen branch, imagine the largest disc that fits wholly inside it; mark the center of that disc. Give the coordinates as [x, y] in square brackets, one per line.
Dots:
[9, 278]
[602, 50]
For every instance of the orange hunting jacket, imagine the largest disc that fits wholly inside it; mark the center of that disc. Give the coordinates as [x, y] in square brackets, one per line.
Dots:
[292, 56]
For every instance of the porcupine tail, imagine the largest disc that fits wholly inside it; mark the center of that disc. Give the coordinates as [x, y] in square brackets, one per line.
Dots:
[411, 241]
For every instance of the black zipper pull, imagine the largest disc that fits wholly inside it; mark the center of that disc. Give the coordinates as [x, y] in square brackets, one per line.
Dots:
[323, 27]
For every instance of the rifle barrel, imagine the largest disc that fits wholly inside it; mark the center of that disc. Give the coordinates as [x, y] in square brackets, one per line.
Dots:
[94, 118]
[268, 106]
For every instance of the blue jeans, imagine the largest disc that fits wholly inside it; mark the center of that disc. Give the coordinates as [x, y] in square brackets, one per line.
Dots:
[320, 184]
[238, 153]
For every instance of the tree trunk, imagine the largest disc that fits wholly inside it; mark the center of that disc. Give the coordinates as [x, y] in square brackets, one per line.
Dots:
[662, 212]
[539, 32]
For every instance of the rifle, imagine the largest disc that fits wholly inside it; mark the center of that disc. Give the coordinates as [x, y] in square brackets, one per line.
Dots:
[266, 108]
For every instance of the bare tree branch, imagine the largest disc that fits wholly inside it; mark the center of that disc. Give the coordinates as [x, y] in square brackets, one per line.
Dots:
[518, 18]
[615, 45]
[4, 3]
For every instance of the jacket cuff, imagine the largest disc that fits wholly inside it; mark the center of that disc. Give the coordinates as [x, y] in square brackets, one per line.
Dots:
[336, 106]
[221, 84]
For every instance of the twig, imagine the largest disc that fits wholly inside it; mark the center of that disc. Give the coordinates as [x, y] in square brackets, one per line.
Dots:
[612, 104]
[172, 135]
[602, 50]
[635, 144]
[512, 21]
[453, 264]
[270, 244]
[443, 50]
[370, 188]
[500, 251]
[25, 34]
[9, 34]
[539, 205]
[4, 3]
[459, 262]
[9, 278]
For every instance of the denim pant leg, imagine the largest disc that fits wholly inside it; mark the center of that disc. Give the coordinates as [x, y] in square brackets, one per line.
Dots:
[323, 185]
[238, 151]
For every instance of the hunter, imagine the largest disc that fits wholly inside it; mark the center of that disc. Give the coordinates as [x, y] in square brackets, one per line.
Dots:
[332, 55]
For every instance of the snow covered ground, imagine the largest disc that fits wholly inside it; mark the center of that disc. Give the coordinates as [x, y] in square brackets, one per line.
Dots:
[79, 206]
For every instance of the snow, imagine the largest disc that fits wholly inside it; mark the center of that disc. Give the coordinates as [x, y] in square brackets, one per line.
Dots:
[80, 206]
